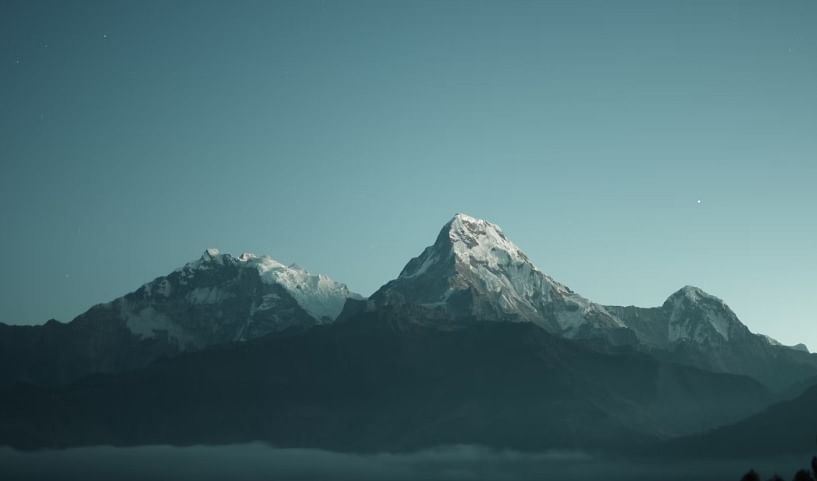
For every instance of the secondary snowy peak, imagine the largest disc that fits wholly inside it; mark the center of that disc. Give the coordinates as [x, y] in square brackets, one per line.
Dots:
[318, 294]
[474, 270]
[219, 298]
[701, 317]
[694, 294]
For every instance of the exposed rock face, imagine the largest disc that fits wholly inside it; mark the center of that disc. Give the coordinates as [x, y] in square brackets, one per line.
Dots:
[217, 301]
[214, 300]
[474, 271]
[699, 329]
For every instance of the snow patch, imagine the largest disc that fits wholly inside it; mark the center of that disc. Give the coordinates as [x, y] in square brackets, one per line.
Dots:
[695, 314]
[145, 323]
[319, 295]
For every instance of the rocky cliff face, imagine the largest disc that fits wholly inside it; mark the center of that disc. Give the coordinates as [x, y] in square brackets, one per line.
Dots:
[696, 328]
[474, 271]
[215, 299]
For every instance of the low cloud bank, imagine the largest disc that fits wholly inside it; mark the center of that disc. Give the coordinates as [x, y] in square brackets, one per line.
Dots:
[250, 462]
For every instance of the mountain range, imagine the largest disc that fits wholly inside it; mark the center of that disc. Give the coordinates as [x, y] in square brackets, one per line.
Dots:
[215, 299]
[470, 343]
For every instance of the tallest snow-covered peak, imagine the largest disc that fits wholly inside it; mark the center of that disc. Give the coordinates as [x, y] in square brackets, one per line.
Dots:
[481, 240]
[467, 240]
[473, 270]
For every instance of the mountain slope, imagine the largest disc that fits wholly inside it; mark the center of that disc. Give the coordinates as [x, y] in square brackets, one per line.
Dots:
[474, 270]
[215, 299]
[789, 427]
[220, 298]
[690, 314]
[699, 329]
[379, 382]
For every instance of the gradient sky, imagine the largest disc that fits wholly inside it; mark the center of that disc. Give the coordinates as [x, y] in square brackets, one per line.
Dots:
[341, 135]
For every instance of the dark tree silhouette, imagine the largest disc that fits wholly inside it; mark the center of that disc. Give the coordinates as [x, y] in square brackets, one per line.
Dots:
[801, 475]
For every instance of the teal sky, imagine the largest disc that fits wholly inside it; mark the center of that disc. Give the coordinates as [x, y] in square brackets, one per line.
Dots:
[342, 135]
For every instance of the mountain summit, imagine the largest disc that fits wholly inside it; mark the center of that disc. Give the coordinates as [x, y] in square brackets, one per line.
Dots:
[696, 328]
[215, 299]
[474, 271]
[220, 298]
[702, 317]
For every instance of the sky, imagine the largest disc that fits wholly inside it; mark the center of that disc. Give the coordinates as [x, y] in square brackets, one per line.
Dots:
[630, 148]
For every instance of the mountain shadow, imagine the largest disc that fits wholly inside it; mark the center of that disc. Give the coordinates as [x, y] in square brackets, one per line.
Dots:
[382, 382]
[787, 427]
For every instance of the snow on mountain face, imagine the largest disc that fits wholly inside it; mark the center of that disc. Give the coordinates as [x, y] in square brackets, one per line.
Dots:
[319, 295]
[219, 298]
[697, 316]
[470, 238]
[473, 269]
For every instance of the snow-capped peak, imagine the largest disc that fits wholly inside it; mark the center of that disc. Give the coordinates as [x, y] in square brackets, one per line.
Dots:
[695, 294]
[477, 242]
[482, 240]
[319, 295]
[210, 257]
[474, 259]
[699, 316]
[469, 240]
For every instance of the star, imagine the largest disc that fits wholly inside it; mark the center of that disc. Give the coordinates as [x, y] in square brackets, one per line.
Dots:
[699, 201]
[105, 36]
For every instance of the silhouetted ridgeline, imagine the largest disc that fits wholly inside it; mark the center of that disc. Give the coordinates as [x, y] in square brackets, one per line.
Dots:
[785, 428]
[381, 383]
